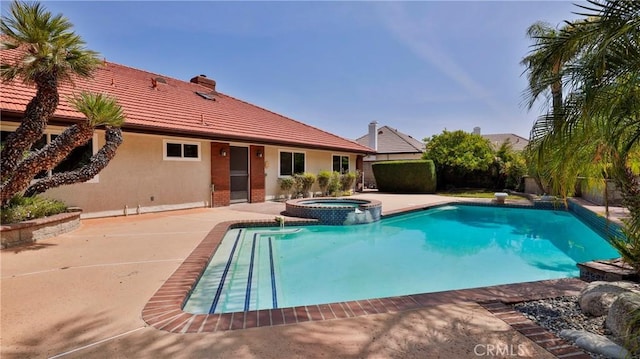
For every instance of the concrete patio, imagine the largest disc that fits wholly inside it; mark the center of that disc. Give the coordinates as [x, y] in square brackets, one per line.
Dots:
[81, 295]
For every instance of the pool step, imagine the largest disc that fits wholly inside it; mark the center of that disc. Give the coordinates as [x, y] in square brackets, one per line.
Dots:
[249, 283]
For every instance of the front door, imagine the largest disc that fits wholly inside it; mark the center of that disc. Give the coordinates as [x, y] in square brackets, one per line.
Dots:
[239, 162]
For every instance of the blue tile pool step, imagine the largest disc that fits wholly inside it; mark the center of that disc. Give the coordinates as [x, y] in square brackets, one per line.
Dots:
[236, 269]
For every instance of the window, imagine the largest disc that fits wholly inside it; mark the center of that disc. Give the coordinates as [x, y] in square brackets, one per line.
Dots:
[77, 158]
[341, 164]
[291, 163]
[181, 151]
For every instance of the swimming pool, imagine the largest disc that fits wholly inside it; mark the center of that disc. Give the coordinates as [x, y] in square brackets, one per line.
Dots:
[443, 248]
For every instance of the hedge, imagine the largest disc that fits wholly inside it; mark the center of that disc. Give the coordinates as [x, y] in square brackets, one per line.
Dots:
[415, 176]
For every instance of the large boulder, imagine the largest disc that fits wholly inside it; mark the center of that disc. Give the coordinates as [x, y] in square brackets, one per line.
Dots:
[596, 298]
[624, 319]
[595, 343]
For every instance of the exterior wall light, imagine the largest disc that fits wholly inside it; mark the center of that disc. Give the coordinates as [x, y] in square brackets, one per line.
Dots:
[259, 153]
[223, 153]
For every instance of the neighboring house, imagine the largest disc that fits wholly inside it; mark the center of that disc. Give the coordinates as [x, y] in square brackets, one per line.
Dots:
[517, 143]
[185, 144]
[390, 144]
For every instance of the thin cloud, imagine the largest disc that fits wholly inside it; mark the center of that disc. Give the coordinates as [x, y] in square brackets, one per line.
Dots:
[411, 34]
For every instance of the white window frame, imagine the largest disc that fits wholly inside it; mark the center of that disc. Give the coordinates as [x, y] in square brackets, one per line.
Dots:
[292, 159]
[182, 143]
[340, 155]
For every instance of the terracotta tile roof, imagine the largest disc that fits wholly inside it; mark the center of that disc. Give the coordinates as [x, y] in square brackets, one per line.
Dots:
[173, 107]
[391, 140]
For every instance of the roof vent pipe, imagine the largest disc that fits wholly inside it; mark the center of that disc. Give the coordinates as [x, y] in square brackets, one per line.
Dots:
[373, 135]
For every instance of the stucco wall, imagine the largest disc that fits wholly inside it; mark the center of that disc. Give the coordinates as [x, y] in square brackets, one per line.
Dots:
[138, 175]
[315, 161]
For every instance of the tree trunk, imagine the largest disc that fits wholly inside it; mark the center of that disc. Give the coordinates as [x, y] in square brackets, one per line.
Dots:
[556, 92]
[113, 138]
[36, 116]
[45, 159]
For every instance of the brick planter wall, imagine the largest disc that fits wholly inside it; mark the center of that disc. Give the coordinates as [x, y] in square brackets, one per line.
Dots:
[38, 229]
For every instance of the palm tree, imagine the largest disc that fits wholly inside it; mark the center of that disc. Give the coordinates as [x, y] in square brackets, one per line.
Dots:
[544, 67]
[600, 120]
[47, 52]
[100, 110]
[50, 52]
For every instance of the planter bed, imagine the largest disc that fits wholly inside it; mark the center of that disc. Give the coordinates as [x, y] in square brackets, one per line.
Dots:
[30, 231]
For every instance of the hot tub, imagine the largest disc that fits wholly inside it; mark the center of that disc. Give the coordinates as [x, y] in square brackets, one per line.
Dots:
[336, 211]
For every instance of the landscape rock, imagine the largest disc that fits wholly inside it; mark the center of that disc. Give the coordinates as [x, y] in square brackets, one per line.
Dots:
[624, 318]
[596, 298]
[595, 343]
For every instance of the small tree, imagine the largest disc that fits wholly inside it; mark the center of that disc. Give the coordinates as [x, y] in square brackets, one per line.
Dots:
[303, 182]
[50, 52]
[323, 181]
[347, 180]
[286, 184]
[457, 155]
[510, 166]
[333, 188]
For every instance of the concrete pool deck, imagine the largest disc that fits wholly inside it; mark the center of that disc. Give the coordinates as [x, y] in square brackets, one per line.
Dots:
[81, 294]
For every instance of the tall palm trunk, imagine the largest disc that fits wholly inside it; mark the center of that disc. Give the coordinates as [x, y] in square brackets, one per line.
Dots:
[113, 138]
[558, 118]
[45, 159]
[556, 91]
[37, 114]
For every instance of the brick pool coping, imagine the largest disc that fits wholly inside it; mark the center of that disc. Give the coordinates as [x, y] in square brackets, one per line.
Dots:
[164, 310]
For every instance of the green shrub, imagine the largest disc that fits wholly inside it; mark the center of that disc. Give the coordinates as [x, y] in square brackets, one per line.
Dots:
[25, 208]
[333, 188]
[323, 180]
[417, 176]
[303, 182]
[286, 184]
[347, 180]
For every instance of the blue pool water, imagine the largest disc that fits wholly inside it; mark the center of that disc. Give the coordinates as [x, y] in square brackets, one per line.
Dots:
[444, 248]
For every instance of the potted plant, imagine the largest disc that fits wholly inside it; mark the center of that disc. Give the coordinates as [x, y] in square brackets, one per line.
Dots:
[333, 188]
[323, 181]
[346, 182]
[286, 184]
[304, 182]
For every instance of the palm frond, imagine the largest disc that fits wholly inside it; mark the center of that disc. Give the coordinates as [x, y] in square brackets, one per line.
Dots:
[48, 45]
[100, 109]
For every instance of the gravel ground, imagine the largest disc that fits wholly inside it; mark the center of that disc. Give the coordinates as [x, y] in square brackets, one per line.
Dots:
[560, 313]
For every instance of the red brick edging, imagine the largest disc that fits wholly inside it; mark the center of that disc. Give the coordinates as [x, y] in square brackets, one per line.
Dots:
[539, 335]
[164, 310]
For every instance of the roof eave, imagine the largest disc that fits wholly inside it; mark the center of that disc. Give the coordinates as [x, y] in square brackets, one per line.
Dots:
[153, 130]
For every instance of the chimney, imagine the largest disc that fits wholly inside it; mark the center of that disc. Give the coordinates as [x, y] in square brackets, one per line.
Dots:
[476, 131]
[204, 81]
[373, 135]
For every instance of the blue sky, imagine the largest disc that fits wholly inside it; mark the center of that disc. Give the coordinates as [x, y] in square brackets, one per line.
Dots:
[419, 67]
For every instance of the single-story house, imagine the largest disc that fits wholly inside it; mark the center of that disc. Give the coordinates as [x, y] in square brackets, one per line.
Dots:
[518, 143]
[185, 144]
[390, 144]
